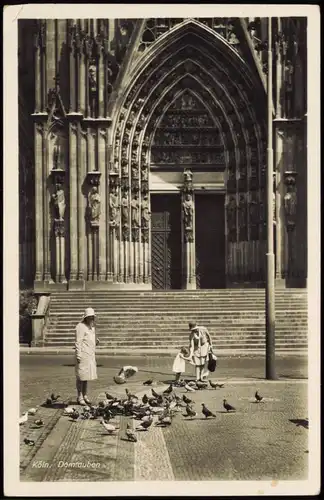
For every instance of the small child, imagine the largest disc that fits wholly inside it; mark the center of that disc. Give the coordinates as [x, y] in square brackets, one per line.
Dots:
[179, 364]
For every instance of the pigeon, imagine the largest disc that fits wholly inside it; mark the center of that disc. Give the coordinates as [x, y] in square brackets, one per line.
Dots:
[29, 442]
[166, 420]
[148, 382]
[23, 419]
[109, 396]
[130, 396]
[109, 427]
[54, 397]
[69, 410]
[49, 401]
[32, 411]
[155, 394]
[189, 388]
[119, 380]
[145, 399]
[131, 434]
[75, 415]
[168, 390]
[127, 371]
[186, 400]
[227, 406]
[145, 425]
[207, 412]
[39, 423]
[215, 386]
[190, 412]
[258, 397]
[201, 385]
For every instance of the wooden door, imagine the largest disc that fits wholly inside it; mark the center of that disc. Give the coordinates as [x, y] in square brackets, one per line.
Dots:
[210, 241]
[166, 241]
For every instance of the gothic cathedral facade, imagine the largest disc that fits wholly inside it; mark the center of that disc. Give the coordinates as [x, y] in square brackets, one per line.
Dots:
[143, 153]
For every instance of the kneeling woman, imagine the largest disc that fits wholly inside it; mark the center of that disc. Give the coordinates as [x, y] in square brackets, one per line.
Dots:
[85, 346]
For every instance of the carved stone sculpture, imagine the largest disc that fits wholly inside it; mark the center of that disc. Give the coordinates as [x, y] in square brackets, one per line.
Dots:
[124, 209]
[188, 210]
[92, 76]
[59, 202]
[135, 211]
[94, 206]
[114, 209]
[146, 214]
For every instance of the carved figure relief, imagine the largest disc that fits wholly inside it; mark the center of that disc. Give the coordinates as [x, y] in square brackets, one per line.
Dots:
[145, 212]
[94, 206]
[114, 208]
[124, 209]
[59, 202]
[188, 210]
[135, 211]
[92, 87]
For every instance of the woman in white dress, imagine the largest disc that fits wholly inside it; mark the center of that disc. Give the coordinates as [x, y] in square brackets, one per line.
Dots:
[85, 346]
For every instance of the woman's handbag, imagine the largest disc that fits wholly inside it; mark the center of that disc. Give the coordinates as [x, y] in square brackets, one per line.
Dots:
[212, 361]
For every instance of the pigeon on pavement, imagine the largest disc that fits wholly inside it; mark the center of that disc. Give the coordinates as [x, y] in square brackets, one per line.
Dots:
[32, 411]
[201, 385]
[189, 388]
[39, 423]
[186, 400]
[227, 406]
[131, 434]
[215, 385]
[190, 412]
[258, 397]
[168, 390]
[75, 415]
[29, 442]
[145, 399]
[206, 411]
[145, 425]
[23, 419]
[155, 394]
[110, 428]
[69, 410]
[54, 397]
[109, 396]
[148, 382]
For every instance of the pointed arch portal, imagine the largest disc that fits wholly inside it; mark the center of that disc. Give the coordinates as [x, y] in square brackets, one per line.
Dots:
[191, 103]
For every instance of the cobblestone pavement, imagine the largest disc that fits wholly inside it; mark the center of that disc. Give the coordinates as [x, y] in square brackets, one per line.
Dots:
[259, 441]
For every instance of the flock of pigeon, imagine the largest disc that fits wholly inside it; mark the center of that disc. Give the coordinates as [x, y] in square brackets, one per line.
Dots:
[162, 405]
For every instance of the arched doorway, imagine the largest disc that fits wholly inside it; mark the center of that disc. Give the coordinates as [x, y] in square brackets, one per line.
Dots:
[193, 103]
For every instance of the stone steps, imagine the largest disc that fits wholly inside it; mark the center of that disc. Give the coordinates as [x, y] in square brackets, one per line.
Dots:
[139, 321]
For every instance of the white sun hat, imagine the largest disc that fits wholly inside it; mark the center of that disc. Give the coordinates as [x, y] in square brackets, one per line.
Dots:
[88, 312]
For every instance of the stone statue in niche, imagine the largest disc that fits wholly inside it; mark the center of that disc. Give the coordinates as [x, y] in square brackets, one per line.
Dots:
[135, 211]
[124, 209]
[124, 169]
[146, 214]
[59, 202]
[114, 208]
[94, 206]
[92, 78]
[188, 209]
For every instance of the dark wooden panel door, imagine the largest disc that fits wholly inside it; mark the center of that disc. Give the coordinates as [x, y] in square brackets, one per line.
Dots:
[166, 241]
[210, 241]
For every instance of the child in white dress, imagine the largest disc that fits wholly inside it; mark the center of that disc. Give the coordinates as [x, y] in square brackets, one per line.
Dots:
[179, 364]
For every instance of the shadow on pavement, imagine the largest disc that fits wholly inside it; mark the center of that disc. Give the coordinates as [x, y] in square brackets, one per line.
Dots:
[300, 422]
[54, 406]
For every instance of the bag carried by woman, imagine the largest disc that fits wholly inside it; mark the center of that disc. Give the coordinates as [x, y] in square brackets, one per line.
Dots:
[212, 361]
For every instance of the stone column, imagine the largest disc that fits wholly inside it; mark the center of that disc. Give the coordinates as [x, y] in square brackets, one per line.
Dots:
[188, 232]
[279, 194]
[75, 282]
[102, 160]
[39, 257]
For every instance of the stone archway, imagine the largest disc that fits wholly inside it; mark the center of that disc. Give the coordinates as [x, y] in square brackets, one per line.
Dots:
[194, 60]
